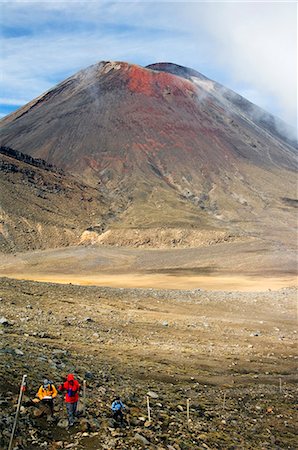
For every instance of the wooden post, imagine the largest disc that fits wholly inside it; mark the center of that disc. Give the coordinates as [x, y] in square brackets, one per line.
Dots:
[84, 397]
[22, 389]
[280, 388]
[187, 411]
[148, 409]
[224, 401]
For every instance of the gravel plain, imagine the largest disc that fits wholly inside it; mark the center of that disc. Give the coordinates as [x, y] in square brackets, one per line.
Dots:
[231, 353]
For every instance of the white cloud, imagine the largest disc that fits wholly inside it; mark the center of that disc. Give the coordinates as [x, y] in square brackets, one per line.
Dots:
[249, 47]
[256, 43]
[13, 101]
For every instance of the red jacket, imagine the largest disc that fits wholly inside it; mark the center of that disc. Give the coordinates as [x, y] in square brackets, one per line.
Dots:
[72, 388]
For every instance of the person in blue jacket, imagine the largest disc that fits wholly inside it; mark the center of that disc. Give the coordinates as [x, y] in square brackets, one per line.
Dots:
[117, 408]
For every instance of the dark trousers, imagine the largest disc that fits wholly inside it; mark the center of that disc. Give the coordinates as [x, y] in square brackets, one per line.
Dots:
[118, 415]
[71, 412]
[50, 404]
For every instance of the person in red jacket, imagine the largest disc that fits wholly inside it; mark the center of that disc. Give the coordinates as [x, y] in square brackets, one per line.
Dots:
[72, 387]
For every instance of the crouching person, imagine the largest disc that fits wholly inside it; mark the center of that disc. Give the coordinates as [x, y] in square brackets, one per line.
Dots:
[45, 395]
[117, 409]
[72, 387]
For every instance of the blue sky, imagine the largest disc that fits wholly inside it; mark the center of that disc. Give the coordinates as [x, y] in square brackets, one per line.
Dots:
[250, 47]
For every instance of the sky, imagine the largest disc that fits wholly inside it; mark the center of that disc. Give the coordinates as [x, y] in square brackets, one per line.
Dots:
[250, 47]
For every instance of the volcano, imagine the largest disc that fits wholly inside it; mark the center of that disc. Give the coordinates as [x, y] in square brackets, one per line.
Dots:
[174, 148]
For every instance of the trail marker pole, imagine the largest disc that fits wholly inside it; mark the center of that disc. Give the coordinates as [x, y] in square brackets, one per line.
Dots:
[148, 409]
[224, 401]
[84, 396]
[22, 389]
[187, 411]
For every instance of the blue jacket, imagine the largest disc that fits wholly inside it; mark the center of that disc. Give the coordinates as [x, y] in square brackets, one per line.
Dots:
[117, 405]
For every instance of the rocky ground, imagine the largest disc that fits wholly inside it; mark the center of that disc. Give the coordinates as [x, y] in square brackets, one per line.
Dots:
[231, 354]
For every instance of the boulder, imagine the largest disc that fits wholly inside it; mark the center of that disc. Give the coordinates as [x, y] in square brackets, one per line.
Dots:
[37, 412]
[5, 322]
[63, 423]
[138, 437]
[89, 375]
[94, 424]
[84, 424]
[57, 444]
[152, 394]
[18, 352]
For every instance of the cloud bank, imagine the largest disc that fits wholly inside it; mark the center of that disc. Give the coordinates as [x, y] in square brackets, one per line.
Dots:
[249, 47]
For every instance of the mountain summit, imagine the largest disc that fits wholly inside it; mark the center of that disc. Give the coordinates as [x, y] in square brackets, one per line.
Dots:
[176, 148]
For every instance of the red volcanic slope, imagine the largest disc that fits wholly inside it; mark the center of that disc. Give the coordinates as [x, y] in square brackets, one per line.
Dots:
[152, 84]
[166, 126]
[90, 119]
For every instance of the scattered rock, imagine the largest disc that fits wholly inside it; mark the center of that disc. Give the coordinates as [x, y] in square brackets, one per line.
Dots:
[57, 444]
[37, 412]
[63, 423]
[111, 423]
[71, 445]
[84, 424]
[138, 437]
[18, 352]
[89, 375]
[152, 394]
[5, 322]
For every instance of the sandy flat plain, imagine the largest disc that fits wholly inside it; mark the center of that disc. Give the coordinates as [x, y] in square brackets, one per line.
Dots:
[242, 267]
[213, 283]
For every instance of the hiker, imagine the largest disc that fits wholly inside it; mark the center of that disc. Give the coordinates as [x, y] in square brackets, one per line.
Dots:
[72, 387]
[46, 394]
[117, 407]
